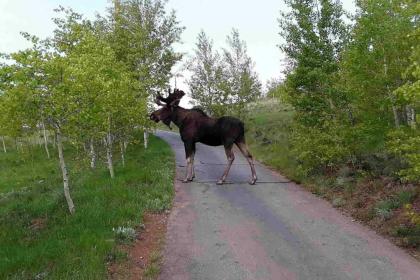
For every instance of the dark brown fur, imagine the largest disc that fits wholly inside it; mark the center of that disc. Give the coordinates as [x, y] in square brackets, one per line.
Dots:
[195, 126]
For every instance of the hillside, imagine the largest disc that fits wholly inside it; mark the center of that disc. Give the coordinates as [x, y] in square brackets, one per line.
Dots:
[383, 202]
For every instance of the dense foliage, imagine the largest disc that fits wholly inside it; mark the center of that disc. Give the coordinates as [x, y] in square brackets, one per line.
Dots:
[354, 88]
[89, 84]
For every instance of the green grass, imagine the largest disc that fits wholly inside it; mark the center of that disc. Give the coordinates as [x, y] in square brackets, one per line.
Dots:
[38, 237]
[153, 269]
[267, 134]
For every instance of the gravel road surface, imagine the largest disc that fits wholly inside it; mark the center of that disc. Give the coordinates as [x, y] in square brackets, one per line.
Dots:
[272, 230]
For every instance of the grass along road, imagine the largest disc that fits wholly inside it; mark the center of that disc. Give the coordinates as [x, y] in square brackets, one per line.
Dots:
[40, 240]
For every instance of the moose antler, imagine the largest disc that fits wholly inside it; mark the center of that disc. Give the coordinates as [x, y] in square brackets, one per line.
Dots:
[159, 99]
[172, 98]
[176, 96]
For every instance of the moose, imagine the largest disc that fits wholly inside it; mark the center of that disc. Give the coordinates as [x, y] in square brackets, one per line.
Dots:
[196, 126]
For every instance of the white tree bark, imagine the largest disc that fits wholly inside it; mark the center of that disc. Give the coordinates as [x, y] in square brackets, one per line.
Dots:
[64, 172]
[396, 117]
[92, 154]
[4, 144]
[45, 139]
[38, 139]
[394, 108]
[122, 149]
[146, 138]
[411, 116]
[125, 145]
[86, 147]
[108, 146]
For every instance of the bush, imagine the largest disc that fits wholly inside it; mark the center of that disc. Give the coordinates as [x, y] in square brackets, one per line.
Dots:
[124, 234]
[406, 197]
[319, 148]
[410, 234]
[412, 215]
[405, 143]
[383, 208]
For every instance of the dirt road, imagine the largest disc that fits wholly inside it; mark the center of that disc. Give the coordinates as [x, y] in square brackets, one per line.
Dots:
[273, 230]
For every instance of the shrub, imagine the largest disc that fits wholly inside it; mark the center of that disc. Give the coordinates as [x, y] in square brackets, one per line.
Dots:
[338, 202]
[412, 214]
[410, 235]
[405, 143]
[124, 234]
[405, 197]
[383, 208]
[319, 148]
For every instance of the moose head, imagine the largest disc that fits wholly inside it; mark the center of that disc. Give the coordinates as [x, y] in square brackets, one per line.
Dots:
[169, 103]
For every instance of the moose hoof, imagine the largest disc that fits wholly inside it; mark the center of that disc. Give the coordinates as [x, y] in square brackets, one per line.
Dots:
[186, 180]
[220, 182]
[253, 181]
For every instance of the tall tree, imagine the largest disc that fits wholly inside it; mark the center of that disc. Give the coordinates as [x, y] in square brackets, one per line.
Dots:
[223, 84]
[374, 60]
[242, 84]
[314, 34]
[111, 106]
[90, 82]
[142, 34]
[205, 83]
[405, 142]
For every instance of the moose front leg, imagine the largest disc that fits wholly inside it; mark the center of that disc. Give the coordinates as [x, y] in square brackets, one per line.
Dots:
[189, 153]
[230, 157]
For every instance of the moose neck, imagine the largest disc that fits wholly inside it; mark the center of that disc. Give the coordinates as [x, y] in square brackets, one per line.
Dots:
[178, 115]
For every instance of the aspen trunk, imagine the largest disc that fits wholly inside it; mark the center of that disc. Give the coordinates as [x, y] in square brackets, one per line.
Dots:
[86, 147]
[54, 141]
[146, 138]
[64, 172]
[37, 139]
[396, 117]
[45, 140]
[108, 146]
[4, 144]
[411, 116]
[92, 155]
[394, 108]
[108, 141]
[122, 153]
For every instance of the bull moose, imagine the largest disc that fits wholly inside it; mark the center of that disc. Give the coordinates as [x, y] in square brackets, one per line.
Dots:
[196, 126]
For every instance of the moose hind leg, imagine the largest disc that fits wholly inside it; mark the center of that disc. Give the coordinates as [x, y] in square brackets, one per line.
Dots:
[189, 152]
[230, 157]
[244, 150]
